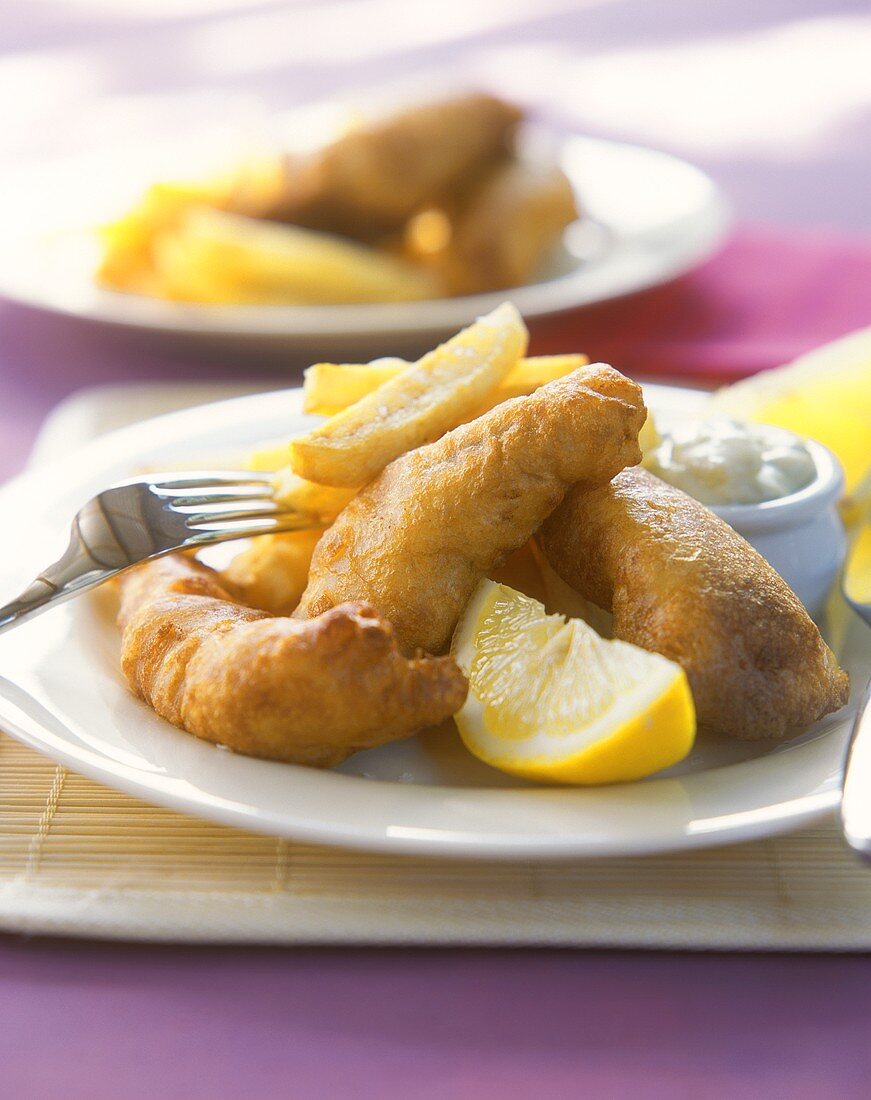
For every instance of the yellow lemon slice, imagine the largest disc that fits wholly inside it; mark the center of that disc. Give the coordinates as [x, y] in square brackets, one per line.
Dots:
[825, 395]
[551, 700]
[857, 572]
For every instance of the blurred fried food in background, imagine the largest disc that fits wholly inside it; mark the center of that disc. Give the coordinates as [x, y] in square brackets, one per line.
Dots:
[431, 201]
[370, 181]
[503, 225]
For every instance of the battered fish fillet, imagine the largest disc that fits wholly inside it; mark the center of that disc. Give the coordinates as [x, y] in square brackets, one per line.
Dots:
[682, 583]
[416, 541]
[506, 225]
[303, 692]
[370, 181]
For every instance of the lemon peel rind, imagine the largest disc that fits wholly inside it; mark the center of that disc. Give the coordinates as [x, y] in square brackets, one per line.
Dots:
[595, 765]
[657, 732]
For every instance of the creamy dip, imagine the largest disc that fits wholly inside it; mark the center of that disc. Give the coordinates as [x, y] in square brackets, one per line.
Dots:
[724, 461]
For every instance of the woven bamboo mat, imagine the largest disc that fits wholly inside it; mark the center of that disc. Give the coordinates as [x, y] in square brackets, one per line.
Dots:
[78, 858]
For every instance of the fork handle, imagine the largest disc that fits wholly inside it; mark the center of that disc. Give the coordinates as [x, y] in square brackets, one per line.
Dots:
[75, 571]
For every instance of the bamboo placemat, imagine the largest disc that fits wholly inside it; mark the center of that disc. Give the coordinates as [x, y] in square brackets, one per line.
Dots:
[78, 858]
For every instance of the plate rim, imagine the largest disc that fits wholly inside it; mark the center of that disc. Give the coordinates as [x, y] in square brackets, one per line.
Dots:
[442, 844]
[450, 844]
[705, 230]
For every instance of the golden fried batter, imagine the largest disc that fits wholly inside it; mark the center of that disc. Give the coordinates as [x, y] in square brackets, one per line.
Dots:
[506, 225]
[682, 583]
[303, 692]
[371, 180]
[416, 541]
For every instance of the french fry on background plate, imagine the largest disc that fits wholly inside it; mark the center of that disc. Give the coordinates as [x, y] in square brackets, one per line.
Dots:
[128, 242]
[271, 263]
[183, 274]
[418, 405]
[331, 387]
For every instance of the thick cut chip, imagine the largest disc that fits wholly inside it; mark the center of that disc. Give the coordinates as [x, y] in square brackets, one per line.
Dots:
[271, 573]
[528, 375]
[434, 395]
[128, 243]
[258, 261]
[331, 387]
[322, 502]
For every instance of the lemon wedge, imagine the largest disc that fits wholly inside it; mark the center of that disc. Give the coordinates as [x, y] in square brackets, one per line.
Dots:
[551, 700]
[825, 395]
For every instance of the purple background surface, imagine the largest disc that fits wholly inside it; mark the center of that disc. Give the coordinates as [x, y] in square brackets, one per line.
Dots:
[774, 97]
[86, 1020]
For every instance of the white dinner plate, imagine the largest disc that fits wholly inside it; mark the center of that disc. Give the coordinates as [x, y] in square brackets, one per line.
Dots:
[648, 217]
[61, 692]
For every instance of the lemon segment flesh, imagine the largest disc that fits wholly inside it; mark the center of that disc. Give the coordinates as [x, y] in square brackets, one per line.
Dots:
[550, 700]
[825, 395]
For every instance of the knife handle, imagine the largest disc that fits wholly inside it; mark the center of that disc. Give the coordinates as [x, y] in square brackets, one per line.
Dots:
[856, 801]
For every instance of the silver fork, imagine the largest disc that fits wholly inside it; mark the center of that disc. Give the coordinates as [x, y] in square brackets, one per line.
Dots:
[146, 517]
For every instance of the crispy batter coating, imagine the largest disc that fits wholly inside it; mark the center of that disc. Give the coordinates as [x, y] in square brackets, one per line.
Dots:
[506, 224]
[415, 542]
[682, 583]
[302, 692]
[369, 181]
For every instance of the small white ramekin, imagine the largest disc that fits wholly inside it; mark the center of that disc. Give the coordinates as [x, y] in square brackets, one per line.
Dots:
[801, 535]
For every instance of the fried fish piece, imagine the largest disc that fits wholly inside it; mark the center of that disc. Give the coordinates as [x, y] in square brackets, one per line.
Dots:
[416, 541]
[506, 225]
[682, 583]
[302, 692]
[368, 182]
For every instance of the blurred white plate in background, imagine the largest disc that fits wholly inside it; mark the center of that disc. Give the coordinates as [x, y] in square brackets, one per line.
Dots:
[649, 217]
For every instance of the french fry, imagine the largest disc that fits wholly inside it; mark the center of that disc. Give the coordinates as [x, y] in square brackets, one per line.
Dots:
[270, 263]
[648, 437]
[271, 573]
[270, 458]
[131, 242]
[418, 405]
[528, 375]
[128, 242]
[184, 274]
[322, 502]
[331, 387]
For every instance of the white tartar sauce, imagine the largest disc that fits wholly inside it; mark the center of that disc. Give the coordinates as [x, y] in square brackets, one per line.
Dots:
[724, 461]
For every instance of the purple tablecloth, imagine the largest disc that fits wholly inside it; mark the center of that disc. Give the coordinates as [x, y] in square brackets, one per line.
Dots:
[85, 1021]
[773, 97]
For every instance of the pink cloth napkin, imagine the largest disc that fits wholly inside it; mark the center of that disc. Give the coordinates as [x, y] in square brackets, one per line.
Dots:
[766, 298]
